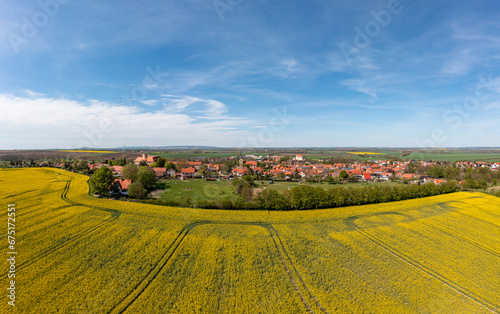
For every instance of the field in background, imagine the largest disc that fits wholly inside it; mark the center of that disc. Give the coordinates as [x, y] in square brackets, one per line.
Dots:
[77, 253]
[313, 154]
[455, 156]
[88, 151]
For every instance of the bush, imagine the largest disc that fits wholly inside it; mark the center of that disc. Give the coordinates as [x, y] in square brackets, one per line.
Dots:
[136, 190]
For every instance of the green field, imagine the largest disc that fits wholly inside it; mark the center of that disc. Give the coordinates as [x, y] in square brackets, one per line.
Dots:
[81, 254]
[309, 154]
[195, 190]
[455, 156]
[182, 155]
[333, 154]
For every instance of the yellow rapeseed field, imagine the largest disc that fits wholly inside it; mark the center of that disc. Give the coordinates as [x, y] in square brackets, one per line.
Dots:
[87, 151]
[364, 153]
[81, 254]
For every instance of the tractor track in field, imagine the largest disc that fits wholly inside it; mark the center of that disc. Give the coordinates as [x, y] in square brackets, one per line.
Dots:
[179, 285]
[141, 286]
[114, 215]
[473, 243]
[20, 193]
[461, 212]
[480, 219]
[161, 264]
[63, 244]
[313, 298]
[113, 212]
[419, 266]
[27, 226]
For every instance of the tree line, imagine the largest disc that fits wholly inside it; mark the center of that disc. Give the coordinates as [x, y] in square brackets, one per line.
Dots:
[308, 197]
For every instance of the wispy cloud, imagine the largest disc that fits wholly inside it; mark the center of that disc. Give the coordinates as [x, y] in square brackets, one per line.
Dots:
[361, 85]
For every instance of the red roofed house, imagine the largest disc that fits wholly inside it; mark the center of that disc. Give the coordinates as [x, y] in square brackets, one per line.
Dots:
[195, 164]
[160, 172]
[213, 167]
[147, 159]
[188, 172]
[240, 171]
[95, 166]
[120, 186]
[408, 176]
[257, 170]
[116, 170]
[367, 176]
[357, 173]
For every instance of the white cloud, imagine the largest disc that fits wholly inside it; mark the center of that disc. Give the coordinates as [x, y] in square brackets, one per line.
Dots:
[200, 108]
[31, 93]
[66, 123]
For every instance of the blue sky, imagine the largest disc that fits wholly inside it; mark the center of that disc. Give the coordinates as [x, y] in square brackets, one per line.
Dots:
[249, 73]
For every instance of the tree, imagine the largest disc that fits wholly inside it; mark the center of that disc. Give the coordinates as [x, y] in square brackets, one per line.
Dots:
[83, 165]
[410, 168]
[147, 177]
[102, 180]
[353, 178]
[136, 190]
[343, 174]
[203, 171]
[270, 199]
[121, 161]
[451, 173]
[170, 165]
[247, 192]
[160, 162]
[129, 172]
[436, 171]
[244, 189]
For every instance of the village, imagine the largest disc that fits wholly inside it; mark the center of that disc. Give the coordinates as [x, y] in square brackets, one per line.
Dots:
[298, 168]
